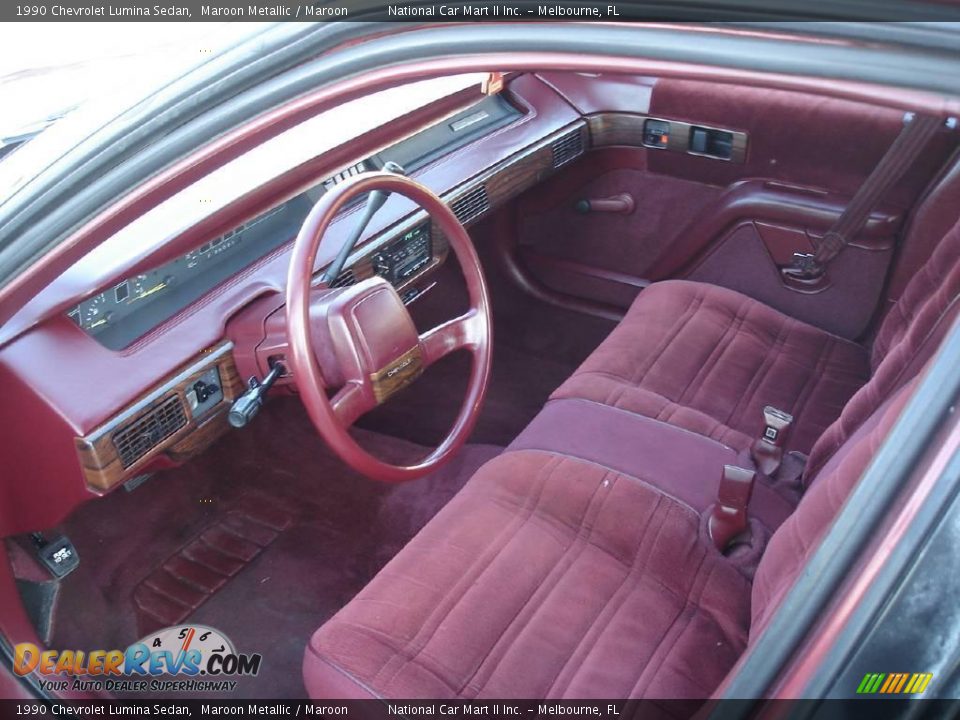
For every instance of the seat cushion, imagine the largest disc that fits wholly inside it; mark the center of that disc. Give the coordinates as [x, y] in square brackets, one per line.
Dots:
[679, 463]
[709, 359]
[546, 576]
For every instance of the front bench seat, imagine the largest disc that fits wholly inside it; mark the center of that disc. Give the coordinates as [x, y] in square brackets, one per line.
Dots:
[709, 359]
[545, 576]
[556, 577]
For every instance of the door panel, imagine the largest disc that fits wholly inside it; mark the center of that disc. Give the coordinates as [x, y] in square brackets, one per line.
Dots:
[568, 249]
[733, 223]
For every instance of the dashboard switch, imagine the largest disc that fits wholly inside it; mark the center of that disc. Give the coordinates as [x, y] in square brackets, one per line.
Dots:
[205, 392]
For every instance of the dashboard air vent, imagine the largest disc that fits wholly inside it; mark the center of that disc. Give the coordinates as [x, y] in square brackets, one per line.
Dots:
[567, 148]
[472, 204]
[344, 279]
[146, 432]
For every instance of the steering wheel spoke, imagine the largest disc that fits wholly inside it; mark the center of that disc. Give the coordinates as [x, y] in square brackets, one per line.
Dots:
[351, 402]
[464, 332]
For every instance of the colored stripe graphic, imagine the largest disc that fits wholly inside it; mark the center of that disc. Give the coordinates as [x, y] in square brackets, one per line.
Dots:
[894, 683]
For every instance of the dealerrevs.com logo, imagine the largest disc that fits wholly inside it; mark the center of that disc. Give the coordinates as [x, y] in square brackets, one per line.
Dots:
[183, 658]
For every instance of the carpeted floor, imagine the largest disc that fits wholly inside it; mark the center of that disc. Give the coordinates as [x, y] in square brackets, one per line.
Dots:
[305, 534]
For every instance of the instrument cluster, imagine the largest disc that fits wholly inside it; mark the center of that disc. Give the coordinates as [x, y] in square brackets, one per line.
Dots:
[121, 314]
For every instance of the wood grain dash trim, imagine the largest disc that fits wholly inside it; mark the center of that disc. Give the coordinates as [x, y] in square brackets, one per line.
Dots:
[98, 455]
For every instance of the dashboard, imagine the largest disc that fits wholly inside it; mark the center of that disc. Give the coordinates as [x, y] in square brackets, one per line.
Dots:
[118, 315]
[141, 372]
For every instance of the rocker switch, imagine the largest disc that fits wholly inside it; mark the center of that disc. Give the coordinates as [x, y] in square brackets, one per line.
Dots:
[204, 393]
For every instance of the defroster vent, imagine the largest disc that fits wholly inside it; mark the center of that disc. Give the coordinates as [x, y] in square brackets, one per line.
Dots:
[146, 432]
[472, 204]
[567, 148]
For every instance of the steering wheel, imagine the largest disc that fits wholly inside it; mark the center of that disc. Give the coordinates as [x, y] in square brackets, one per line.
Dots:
[367, 344]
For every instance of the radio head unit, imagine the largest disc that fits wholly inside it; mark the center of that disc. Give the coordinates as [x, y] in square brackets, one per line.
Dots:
[406, 256]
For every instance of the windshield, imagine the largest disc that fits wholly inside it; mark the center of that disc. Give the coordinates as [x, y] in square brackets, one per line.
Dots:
[46, 74]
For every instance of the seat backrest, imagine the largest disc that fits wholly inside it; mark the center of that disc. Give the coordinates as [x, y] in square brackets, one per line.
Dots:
[929, 251]
[794, 542]
[927, 321]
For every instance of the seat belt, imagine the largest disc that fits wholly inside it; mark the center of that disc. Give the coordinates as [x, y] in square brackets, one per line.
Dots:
[767, 450]
[917, 131]
[728, 517]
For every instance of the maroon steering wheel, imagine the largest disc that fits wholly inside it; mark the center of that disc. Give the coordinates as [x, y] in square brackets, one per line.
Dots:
[365, 339]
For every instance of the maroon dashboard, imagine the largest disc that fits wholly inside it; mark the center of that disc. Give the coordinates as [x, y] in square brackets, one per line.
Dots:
[90, 407]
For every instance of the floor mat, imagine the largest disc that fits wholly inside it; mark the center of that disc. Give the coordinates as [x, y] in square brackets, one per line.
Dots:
[264, 537]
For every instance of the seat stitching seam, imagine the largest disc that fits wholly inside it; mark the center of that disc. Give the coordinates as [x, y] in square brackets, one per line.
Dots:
[767, 367]
[614, 604]
[693, 306]
[403, 655]
[580, 541]
[716, 355]
[688, 608]
[806, 392]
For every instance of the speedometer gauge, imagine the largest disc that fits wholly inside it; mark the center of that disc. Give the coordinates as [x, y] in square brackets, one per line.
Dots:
[147, 285]
[94, 312]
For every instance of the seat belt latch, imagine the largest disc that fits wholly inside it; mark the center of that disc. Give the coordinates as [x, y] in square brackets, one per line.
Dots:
[767, 450]
[729, 516]
[804, 269]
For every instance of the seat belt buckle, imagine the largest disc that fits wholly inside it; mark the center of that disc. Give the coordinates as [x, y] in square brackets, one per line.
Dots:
[729, 515]
[767, 450]
[803, 269]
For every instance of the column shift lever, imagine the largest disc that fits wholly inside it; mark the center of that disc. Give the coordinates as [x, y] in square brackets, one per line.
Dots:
[246, 407]
[375, 201]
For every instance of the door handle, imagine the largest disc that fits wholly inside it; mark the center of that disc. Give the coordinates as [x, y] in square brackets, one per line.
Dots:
[622, 204]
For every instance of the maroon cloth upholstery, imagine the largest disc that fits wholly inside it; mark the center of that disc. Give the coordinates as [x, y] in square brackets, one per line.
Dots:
[709, 359]
[937, 283]
[798, 537]
[679, 463]
[909, 336]
[545, 577]
[576, 564]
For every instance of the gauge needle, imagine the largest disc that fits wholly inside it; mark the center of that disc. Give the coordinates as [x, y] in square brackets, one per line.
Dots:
[98, 323]
[151, 291]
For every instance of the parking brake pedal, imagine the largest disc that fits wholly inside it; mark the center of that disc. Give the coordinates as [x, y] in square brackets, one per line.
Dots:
[58, 555]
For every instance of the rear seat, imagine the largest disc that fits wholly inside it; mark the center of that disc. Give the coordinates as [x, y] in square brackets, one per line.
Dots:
[685, 464]
[577, 564]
